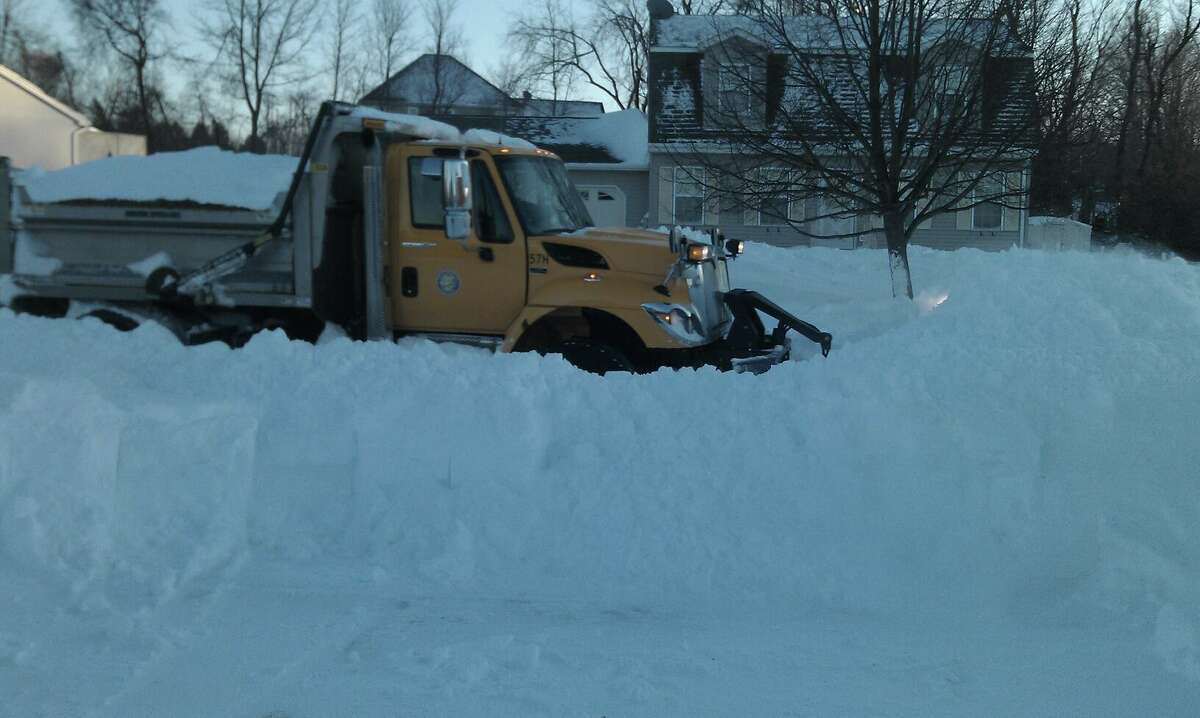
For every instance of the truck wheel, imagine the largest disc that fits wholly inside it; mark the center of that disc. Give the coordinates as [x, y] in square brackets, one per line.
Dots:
[595, 357]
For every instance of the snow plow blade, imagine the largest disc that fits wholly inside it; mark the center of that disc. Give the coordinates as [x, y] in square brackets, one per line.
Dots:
[753, 349]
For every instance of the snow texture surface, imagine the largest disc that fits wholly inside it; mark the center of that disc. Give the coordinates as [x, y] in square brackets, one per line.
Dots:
[982, 503]
[415, 125]
[623, 134]
[491, 137]
[205, 175]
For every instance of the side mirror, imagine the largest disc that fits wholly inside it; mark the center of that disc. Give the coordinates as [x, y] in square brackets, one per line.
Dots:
[456, 197]
[674, 238]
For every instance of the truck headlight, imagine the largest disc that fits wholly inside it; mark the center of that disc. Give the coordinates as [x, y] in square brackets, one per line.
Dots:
[735, 247]
[678, 321]
[698, 252]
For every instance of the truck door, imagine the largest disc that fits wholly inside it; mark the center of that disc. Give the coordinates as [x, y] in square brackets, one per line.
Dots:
[475, 286]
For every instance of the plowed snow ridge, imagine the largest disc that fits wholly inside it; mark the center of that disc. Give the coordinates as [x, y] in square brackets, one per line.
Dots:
[1020, 442]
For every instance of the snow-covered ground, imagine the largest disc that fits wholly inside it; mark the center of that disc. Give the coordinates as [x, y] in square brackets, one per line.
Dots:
[983, 503]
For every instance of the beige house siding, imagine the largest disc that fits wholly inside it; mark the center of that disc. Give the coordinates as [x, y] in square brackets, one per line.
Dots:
[32, 132]
[38, 131]
[943, 232]
[96, 145]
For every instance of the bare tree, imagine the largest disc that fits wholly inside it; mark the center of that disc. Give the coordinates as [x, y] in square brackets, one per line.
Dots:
[1071, 39]
[389, 19]
[607, 49]
[445, 44]
[547, 57]
[129, 29]
[869, 119]
[11, 13]
[513, 75]
[341, 52]
[261, 44]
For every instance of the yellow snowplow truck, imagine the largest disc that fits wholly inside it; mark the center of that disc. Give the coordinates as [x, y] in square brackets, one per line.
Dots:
[398, 225]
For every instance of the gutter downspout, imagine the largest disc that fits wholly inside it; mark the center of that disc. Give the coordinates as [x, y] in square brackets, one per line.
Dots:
[75, 142]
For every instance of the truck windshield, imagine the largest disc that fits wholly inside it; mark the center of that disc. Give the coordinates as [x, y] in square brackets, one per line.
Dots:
[545, 200]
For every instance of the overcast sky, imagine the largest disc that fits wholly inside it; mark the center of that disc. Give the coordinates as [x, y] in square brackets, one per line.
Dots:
[484, 22]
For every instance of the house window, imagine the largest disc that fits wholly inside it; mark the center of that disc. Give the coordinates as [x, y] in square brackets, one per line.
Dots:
[689, 195]
[950, 93]
[989, 215]
[773, 205]
[734, 86]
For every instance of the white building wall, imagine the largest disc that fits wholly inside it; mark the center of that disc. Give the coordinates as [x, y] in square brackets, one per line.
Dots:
[31, 132]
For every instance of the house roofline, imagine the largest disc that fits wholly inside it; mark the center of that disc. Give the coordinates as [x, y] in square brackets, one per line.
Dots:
[39, 94]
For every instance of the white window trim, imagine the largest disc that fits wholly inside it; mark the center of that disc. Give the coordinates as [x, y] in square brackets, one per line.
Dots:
[974, 223]
[690, 172]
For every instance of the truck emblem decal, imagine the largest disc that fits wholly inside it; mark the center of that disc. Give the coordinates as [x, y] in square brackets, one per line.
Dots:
[447, 282]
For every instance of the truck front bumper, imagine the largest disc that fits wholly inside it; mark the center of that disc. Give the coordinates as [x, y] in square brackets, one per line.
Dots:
[741, 342]
[748, 346]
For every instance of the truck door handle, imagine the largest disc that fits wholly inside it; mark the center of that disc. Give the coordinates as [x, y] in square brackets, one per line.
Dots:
[408, 281]
[486, 254]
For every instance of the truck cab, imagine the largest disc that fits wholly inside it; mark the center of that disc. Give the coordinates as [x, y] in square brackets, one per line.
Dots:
[523, 268]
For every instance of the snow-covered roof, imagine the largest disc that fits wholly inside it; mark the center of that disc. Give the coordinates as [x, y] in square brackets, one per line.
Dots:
[36, 92]
[617, 140]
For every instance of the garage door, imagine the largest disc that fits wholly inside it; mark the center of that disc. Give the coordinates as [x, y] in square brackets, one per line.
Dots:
[606, 204]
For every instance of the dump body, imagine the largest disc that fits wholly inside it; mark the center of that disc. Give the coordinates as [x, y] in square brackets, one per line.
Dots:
[99, 250]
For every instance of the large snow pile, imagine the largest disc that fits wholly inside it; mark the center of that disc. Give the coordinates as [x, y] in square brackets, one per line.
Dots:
[1016, 449]
[206, 175]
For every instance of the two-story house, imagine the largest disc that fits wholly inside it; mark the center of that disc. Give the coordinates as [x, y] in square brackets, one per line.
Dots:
[703, 69]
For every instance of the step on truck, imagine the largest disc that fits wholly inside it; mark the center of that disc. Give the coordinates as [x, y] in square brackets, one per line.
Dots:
[398, 225]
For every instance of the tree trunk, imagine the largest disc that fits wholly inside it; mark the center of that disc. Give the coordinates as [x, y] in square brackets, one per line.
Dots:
[144, 107]
[253, 142]
[897, 245]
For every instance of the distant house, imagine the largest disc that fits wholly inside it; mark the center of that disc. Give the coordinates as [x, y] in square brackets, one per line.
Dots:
[37, 130]
[435, 85]
[605, 154]
[693, 69]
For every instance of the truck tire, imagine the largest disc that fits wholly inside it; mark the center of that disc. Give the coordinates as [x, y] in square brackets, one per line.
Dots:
[595, 357]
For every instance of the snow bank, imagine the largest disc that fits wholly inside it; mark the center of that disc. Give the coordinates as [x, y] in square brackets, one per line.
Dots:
[1021, 443]
[206, 175]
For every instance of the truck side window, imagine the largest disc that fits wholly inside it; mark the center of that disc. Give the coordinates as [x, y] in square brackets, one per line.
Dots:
[425, 192]
[491, 222]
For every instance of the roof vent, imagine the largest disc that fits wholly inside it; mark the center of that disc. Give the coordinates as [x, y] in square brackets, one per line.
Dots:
[660, 9]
